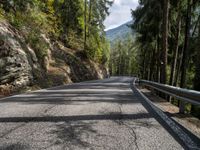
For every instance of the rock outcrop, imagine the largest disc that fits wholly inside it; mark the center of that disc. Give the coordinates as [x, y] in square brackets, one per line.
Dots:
[20, 68]
[15, 69]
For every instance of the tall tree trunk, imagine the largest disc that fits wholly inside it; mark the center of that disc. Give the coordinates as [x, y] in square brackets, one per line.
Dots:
[85, 26]
[119, 66]
[174, 63]
[178, 72]
[67, 27]
[152, 64]
[197, 66]
[111, 64]
[195, 110]
[195, 27]
[164, 42]
[144, 66]
[185, 52]
[158, 60]
[90, 16]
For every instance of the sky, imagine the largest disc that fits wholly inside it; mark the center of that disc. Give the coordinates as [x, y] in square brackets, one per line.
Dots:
[120, 13]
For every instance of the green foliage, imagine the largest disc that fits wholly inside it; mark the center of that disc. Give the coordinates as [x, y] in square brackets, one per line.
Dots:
[2, 14]
[70, 13]
[184, 25]
[61, 20]
[123, 59]
[33, 24]
[105, 53]
[38, 43]
[97, 48]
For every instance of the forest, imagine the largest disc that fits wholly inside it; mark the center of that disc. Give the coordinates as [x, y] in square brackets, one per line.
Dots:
[76, 23]
[45, 43]
[166, 45]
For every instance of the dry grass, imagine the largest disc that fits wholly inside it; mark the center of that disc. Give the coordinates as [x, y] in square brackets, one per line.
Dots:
[5, 90]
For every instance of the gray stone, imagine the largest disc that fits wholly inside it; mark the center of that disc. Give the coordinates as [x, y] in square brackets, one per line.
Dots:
[15, 68]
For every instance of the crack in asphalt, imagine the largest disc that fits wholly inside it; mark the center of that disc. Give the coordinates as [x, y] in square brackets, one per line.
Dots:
[130, 129]
[48, 109]
[13, 129]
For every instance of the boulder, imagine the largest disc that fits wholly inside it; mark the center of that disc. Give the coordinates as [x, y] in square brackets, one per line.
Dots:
[15, 68]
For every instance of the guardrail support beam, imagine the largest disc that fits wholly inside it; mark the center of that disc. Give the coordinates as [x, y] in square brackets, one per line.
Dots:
[182, 107]
[184, 95]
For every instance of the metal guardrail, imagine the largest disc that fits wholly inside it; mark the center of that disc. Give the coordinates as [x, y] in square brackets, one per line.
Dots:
[185, 95]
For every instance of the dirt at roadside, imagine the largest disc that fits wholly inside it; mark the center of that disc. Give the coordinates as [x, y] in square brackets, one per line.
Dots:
[186, 120]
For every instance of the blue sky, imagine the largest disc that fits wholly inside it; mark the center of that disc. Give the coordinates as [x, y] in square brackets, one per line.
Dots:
[120, 13]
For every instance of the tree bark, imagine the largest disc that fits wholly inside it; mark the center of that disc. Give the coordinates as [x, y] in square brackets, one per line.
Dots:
[174, 63]
[85, 26]
[152, 64]
[90, 17]
[185, 52]
[195, 27]
[158, 60]
[164, 42]
[197, 66]
[144, 66]
[178, 72]
[195, 110]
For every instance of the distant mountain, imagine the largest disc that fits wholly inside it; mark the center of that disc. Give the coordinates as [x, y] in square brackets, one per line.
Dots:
[119, 32]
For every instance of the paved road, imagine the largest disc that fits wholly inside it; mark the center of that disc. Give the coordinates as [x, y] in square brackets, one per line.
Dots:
[101, 115]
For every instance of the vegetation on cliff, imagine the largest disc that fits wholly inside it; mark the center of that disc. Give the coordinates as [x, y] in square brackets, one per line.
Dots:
[56, 42]
[78, 24]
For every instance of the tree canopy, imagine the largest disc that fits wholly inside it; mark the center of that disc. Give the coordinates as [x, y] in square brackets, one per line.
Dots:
[168, 42]
[77, 23]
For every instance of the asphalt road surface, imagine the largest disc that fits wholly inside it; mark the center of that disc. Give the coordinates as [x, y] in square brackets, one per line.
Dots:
[97, 115]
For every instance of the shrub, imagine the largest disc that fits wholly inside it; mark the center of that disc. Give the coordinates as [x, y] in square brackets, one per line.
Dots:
[38, 43]
[1, 14]
[32, 24]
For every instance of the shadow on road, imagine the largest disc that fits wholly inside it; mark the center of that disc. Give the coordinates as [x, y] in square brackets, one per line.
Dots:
[72, 99]
[76, 118]
[15, 146]
[70, 128]
[69, 134]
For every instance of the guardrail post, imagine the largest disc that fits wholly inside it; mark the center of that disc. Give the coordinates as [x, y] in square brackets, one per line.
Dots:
[182, 107]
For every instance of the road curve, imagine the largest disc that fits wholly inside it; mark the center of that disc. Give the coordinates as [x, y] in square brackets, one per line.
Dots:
[101, 115]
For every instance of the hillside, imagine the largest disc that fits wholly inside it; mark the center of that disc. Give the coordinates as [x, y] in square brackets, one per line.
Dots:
[49, 43]
[119, 32]
[22, 69]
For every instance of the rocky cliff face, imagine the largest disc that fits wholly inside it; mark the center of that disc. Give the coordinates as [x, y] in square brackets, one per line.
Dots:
[15, 69]
[21, 69]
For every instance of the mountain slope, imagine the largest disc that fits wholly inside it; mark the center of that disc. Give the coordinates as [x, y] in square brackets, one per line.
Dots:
[119, 32]
[22, 68]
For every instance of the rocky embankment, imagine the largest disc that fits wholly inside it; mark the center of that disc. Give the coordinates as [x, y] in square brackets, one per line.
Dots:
[22, 70]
